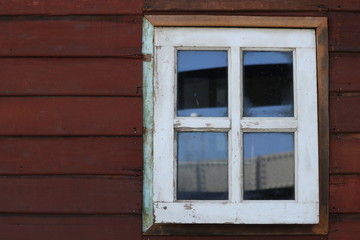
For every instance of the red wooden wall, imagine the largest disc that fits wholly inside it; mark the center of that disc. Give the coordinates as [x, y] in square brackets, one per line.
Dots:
[71, 114]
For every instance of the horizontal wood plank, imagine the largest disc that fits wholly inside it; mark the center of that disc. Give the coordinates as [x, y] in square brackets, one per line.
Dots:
[66, 7]
[344, 5]
[345, 112]
[71, 36]
[344, 227]
[70, 76]
[84, 155]
[320, 237]
[70, 116]
[344, 153]
[345, 193]
[344, 31]
[234, 5]
[344, 72]
[70, 227]
[70, 194]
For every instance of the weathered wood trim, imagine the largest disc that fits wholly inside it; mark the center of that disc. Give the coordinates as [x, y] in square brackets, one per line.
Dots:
[321, 27]
[234, 5]
[148, 125]
[233, 21]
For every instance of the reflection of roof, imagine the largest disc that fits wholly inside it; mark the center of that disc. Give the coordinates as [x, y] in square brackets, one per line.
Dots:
[273, 110]
[266, 172]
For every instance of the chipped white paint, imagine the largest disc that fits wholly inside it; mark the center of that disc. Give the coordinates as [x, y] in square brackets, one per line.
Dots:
[257, 212]
[235, 37]
[270, 124]
[305, 208]
[205, 123]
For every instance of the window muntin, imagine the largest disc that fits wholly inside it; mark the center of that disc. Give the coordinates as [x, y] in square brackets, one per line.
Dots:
[303, 125]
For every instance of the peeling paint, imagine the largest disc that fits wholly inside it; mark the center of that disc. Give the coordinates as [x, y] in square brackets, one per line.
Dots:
[188, 206]
[147, 50]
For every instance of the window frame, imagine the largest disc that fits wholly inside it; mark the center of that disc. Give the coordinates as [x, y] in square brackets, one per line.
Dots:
[320, 26]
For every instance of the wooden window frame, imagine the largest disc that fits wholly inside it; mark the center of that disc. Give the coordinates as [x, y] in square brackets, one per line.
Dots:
[320, 26]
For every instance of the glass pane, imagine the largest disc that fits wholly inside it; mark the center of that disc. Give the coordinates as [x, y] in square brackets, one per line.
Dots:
[268, 84]
[202, 166]
[202, 85]
[269, 166]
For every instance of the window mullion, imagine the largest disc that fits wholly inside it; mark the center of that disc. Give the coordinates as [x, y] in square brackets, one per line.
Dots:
[234, 134]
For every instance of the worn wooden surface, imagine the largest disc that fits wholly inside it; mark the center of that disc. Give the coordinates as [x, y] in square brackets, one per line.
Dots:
[344, 5]
[233, 21]
[70, 116]
[235, 238]
[70, 76]
[345, 193]
[345, 72]
[66, 7]
[234, 5]
[61, 227]
[345, 112]
[344, 31]
[75, 155]
[344, 153]
[71, 194]
[70, 36]
[344, 227]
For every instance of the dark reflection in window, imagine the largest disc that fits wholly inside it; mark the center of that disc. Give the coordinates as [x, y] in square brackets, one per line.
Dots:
[202, 85]
[269, 166]
[268, 84]
[202, 166]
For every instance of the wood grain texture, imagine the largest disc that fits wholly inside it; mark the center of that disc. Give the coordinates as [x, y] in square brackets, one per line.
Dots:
[70, 76]
[344, 31]
[234, 5]
[84, 155]
[344, 72]
[70, 36]
[234, 237]
[234, 21]
[344, 153]
[344, 5]
[345, 193]
[345, 112]
[70, 116]
[70, 227]
[344, 227]
[66, 7]
[71, 194]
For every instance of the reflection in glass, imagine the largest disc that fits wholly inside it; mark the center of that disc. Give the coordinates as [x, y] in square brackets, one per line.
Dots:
[202, 166]
[269, 166]
[268, 84]
[202, 83]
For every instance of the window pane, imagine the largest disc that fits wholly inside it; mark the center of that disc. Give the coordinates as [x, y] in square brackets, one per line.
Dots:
[202, 85]
[268, 84]
[269, 166]
[202, 163]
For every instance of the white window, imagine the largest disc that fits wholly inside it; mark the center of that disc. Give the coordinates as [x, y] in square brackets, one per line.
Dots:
[236, 123]
[235, 126]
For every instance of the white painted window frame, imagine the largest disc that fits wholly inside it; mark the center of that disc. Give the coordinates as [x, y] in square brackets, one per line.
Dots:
[305, 208]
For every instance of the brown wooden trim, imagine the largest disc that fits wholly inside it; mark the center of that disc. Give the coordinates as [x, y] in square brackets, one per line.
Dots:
[233, 229]
[234, 21]
[323, 123]
[321, 27]
[234, 5]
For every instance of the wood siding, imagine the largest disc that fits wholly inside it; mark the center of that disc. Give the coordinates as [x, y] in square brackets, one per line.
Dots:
[71, 120]
[71, 114]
